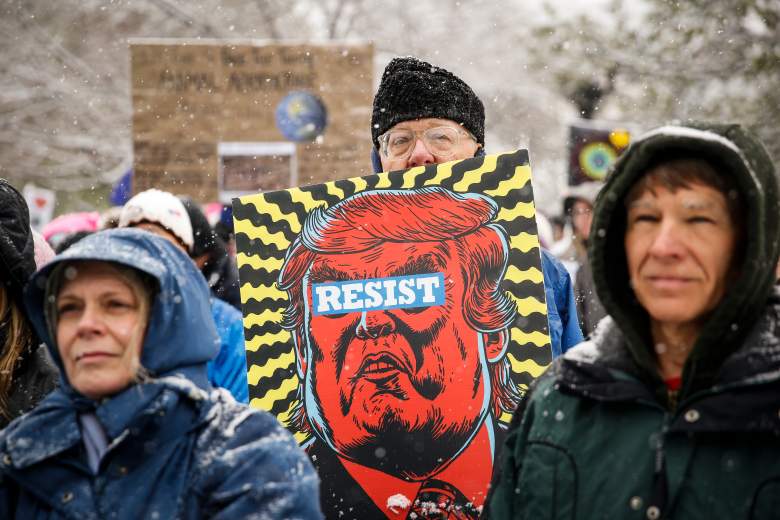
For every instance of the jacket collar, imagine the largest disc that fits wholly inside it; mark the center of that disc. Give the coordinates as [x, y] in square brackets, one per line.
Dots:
[604, 369]
[52, 427]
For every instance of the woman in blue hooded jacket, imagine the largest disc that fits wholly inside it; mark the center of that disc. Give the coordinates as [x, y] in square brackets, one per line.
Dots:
[136, 430]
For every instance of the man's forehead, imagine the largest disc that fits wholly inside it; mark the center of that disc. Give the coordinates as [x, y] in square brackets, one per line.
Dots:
[387, 259]
[425, 123]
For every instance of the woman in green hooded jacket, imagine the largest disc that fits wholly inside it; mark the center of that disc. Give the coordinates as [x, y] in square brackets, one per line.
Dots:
[672, 410]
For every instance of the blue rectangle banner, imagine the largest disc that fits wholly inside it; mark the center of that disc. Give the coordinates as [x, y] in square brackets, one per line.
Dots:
[395, 292]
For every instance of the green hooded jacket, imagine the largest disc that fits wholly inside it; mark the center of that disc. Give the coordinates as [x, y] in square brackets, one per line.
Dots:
[597, 436]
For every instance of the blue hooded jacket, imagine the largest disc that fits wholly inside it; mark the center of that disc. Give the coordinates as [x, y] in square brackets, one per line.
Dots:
[562, 317]
[177, 448]
[228, 369]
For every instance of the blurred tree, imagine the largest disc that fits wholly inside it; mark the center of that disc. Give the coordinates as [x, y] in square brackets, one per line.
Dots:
[65, 92]
[64, 74]
[64, 80]
[699, 59]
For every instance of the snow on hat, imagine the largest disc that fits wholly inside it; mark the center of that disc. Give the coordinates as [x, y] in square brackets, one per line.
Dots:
[159, 207]
[414, 89]
[17, 256]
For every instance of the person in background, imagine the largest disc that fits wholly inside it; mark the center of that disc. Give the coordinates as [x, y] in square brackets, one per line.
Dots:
[62, 227]
[578, 205]
[71, 239]
[572, 249]
[136, 430]
[163, 214]
[109, 219]
[224, 230]
[26, 372]
[423, 106]
[210, 255]
[671, 410]
[558, 226]
[544, 230]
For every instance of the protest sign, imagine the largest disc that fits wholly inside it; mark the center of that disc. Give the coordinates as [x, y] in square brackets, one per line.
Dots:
[193, 100]
[393, 321]
[593, 147]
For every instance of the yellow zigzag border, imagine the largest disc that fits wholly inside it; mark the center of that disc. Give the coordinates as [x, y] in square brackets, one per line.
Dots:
[528, 366]
[264, 340]
[304, 197]
[255, 372]
[254, 318]
[474, 176]
[360, 184]
[263, 206]
[524, 242]
[334, 190]
[258, 262]
[521, 210]
[410, 176]
[262, 233]
[384, 180]
[276, 394]
[261, 292]
[517, 181]
[532, 274]
[443, 171]
[528, 305]
[540, 339]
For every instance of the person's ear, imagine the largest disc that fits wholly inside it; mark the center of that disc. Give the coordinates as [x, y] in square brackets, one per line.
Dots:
[496, 344]
[301, 363]
[201, 260]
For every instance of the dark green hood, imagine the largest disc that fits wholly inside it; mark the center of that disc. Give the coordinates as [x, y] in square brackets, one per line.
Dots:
[734, 151]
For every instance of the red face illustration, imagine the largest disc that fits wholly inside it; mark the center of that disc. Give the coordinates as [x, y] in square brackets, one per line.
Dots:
[386, 385]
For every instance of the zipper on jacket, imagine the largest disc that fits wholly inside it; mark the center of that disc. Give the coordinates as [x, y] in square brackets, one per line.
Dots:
[660, 489]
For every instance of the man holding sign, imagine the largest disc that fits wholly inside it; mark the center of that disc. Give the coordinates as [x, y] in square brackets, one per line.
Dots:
[426, 115]
[413, 304]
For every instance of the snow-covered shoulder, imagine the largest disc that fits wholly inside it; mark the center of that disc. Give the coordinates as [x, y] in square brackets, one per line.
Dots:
[248, 463]
[589, 351]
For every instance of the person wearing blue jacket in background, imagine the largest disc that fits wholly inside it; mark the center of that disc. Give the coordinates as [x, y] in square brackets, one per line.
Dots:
[210, 254]
[163, 214]
[432, 116]
[136, 430]
[229, 366]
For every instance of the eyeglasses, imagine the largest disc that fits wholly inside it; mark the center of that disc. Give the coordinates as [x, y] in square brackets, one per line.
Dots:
[581, 211]
[441, 141]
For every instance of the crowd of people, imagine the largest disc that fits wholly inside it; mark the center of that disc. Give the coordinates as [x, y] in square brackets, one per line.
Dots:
[123, 375]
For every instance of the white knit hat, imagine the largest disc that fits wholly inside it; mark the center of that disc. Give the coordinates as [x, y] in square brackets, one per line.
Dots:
[159, 207]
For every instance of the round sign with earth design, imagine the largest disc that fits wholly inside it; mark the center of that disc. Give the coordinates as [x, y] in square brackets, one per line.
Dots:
[301, 116]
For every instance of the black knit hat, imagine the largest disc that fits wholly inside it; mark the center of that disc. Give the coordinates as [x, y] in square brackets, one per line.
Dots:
[205, 240]
[413, 89]
[17, 253]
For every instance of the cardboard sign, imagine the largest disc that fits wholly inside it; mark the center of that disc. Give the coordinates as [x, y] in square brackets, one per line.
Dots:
[246, 168]
[392, 323]
[192, 98]
[40, 203]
